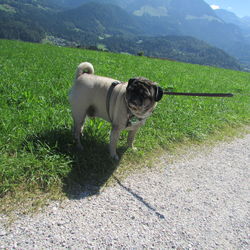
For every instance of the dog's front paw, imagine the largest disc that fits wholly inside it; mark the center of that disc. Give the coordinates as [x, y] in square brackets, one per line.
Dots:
[115, 157]
[79, 147]
[133, 148]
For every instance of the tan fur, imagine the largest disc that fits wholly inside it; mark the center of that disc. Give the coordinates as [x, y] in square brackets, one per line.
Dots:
[84, 68]
[88, 97]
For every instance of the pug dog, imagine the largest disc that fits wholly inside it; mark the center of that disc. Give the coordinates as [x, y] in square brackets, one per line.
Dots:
[124, 105]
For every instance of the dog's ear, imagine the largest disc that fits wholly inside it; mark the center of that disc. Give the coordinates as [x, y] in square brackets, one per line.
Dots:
[131, 81]
[158, 93]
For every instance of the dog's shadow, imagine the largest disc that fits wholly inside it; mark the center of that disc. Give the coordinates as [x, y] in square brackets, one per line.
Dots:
[90, 168]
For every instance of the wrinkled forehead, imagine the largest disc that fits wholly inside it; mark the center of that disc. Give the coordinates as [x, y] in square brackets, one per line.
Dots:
[141, 82]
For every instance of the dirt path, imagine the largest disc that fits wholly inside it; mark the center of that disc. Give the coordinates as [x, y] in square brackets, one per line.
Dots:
[200, 202]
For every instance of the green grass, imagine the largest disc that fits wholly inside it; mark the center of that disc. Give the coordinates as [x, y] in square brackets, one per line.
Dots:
[36, 146]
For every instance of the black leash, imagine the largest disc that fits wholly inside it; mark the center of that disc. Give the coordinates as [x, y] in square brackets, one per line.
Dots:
[199, 94]
[164, 92]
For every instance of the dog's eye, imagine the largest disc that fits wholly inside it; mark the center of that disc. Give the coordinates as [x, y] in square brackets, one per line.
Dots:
[143, 94]
[147, 96]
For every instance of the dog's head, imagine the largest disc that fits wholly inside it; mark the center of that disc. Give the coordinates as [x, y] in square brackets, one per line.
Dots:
[142, 96]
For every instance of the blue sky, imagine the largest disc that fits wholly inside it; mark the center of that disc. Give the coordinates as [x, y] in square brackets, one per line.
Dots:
[239, 7]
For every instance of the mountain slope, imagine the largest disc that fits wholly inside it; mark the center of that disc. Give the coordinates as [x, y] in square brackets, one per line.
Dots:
[101, 18]
[228, 17]
[194, 18]
[179, 48]
[246, 20]
[188, 17]
[241, 48]
[106, 25]
[21, 19]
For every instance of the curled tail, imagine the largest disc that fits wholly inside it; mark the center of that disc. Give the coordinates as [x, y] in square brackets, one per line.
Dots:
[84, 67]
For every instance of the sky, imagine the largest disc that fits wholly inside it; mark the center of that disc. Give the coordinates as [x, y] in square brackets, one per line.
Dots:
[239, 7]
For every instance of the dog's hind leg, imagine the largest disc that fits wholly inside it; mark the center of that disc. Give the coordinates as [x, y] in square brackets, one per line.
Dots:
[78, 127]
[114, 136]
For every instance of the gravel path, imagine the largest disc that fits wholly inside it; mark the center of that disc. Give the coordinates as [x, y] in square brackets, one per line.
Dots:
[200, 202]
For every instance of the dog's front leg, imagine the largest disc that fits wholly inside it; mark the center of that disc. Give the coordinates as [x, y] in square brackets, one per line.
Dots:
[114, 136]
[131, 137]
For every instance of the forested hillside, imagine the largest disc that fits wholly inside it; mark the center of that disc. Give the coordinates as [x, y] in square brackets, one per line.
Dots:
[179, 48]
[120, 26]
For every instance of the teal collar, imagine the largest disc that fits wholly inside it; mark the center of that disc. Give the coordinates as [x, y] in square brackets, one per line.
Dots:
[132, 119]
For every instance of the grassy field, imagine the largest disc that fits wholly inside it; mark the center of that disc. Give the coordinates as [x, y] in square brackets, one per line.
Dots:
[36, 146]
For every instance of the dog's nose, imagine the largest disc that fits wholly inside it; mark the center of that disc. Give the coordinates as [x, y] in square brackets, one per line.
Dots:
[136, 102]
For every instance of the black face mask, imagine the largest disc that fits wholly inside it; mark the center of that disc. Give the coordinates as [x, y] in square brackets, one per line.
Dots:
[158, 90]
